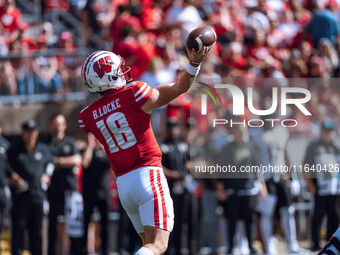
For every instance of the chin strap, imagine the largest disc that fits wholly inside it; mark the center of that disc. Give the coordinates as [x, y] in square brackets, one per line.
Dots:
[127, 73]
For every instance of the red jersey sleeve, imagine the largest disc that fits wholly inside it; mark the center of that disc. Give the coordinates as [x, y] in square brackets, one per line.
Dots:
[17, 18]
[141, 91]
[81, 122]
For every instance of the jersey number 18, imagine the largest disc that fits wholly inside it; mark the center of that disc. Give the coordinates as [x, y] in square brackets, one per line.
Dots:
[120, 129]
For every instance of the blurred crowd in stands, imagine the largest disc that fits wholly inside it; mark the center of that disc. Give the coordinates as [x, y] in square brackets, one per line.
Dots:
[286, 41]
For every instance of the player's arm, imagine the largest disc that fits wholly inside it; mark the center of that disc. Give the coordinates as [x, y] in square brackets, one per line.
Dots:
[68, 161]
[307, 162]
[172, 174]
[221, 194]
[87, 155]
[14, 178]
[168, 92]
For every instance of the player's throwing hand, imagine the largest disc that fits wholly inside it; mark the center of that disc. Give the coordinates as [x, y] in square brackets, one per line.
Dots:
[196, 58]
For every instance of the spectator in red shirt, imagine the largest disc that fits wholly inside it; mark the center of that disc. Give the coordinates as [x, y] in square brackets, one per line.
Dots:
[136, 49]
[146, 51]
[123, 21]
[221, 18]
[151, 17]
[232, 56]
[10, 20]
[127, 46]
[60, 5]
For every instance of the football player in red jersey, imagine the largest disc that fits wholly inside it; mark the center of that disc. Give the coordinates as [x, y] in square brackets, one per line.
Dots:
[120, 120]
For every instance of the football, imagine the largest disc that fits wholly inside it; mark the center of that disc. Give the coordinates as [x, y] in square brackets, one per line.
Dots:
[201, 36]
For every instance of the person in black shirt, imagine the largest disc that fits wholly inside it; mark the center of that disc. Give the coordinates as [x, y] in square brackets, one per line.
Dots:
[236, 191]
[4, 172]
[175, 156]
[32, 161]
[66, 159]
[96, 188]
[3, 141]
[323, 152]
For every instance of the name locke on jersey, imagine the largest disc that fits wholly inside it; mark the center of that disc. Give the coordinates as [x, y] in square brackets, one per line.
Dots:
[106, 109]
[115, 104]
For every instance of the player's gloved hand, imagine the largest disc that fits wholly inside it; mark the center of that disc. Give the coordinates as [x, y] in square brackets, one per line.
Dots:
[196, 58]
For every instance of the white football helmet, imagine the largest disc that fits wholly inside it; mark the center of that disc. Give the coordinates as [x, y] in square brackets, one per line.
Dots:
[104, 70]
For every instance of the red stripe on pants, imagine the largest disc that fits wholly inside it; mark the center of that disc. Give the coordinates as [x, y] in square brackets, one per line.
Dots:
[155, 197]
[162, 199]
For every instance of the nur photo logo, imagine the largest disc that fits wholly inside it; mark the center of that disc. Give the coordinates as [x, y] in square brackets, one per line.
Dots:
[282, 98]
